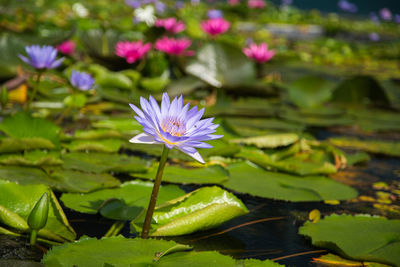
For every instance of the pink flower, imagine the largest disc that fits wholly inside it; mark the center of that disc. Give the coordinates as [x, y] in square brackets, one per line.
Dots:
[216, 26]
[132, 51]
[259, 53]
[233, 2]
[174, 46]
[256, 3]
[171, 25]
[67, 47]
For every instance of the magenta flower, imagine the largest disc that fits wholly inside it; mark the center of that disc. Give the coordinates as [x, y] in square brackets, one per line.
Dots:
[256, 4]
[67, 47]
[174, 125]
[171, 25]
[174, 46]
[216, 26]
[259, 53]
[132, 51]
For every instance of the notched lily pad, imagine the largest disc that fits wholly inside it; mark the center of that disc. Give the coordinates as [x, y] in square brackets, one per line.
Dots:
[124, 252]
[359, 237]
[246, 178]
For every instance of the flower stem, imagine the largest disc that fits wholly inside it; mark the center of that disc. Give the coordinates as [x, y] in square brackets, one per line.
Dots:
[35, 88]
[33, 237]
[154, 194]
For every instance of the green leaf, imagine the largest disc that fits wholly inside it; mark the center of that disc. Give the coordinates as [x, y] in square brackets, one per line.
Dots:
[60, 180]
[222, 65]
[114, 80]
[22, 125]
[360, 90]
[133, 194]
[201, 209]
[359, 237]
[175, 174]
[245, 178]
[103, 162]
[97, 134]
[75, 101]
[374, 146]
[32, 158]
[310, 91]
[305, 163]
[335, 260]
[128, 126]
[8, 145]
[156, 84]
[123, 252]
[268, 141]
[20, 199]
[103, 145]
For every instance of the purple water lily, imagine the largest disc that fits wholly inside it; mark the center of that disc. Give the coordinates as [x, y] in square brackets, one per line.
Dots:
[386, 14]
[41, 57]
[214, 14]
[347, 6]
[174, 125]
[81, 80]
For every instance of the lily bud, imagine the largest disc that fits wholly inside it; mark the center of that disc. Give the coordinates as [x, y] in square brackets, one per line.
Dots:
[38, 217]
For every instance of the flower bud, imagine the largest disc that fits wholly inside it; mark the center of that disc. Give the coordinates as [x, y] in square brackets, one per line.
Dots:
[38, 217]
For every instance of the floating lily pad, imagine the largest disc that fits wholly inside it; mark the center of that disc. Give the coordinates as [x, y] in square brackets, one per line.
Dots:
[334, 260]
[97, 134]
[245, 178]
[8, 145]
[103, 145]
[32, 158]
[374, 146]
[133, 194]
[264, 124]
[201, 209]
[175, 174]
[269, 141]
[102, 162]
[17, 201]
[360, 237]
[120, 251]
[22, 125]
[129, 126]
[58, 179]
[312, 163]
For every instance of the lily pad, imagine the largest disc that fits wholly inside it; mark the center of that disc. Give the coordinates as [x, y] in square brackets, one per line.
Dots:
[175, 174]
[201, 209]
[32, 158]
[120, 251]
[103, 145]
[245, 178]
[22, 125]
[269, 141]
[133, 194]
[18, 201]
[103, 162]
[389, 148]
[8, 145]
[335, 260]
[97, 134]
[128, 126]
[222, 65]
[359, 237]
[312, 163]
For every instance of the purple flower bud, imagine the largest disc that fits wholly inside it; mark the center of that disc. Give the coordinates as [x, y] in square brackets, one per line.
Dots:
[385, 14]
[214, 14]
[374, 17]
[178, 4]
[373, 36]
[160, 7]
[81, 80]
[133, 3]
[347, 6]
[41, 57]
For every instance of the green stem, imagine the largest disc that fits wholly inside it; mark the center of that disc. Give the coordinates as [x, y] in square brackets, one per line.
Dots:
[35, 88]
[115, 229]
[154, 194]
[33, 237]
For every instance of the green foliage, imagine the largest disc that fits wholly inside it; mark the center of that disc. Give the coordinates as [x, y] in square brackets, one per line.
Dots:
[104, 145]
[17, 201]
[359, 237]
[374, 146]
[269, 141]
[246, 178]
